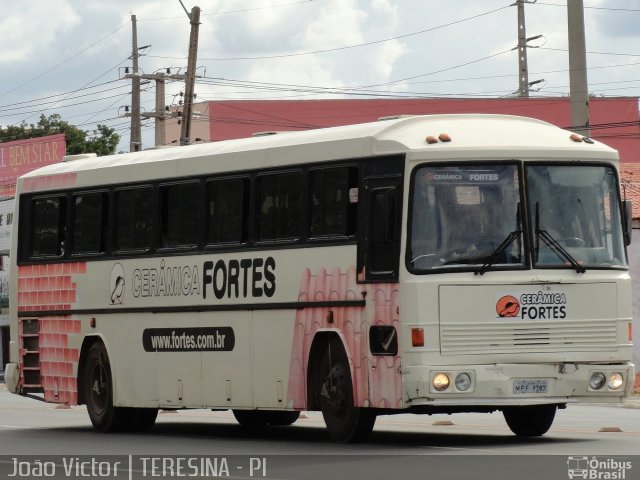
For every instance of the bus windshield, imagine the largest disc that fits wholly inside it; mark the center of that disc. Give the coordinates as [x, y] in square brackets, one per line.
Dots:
[576, 216]
[470, 216]
[466, 214]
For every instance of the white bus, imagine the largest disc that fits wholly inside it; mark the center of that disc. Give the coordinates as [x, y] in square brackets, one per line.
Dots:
[427, 264]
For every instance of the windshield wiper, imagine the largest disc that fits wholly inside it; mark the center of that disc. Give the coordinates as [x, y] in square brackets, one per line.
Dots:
[554, 245]
[503, 246]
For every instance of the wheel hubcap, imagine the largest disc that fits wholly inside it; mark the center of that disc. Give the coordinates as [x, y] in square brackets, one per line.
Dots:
[334, 390]
[98, 389]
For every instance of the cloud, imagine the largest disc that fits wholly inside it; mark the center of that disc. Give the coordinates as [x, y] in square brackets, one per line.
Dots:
[612, 20]
[45, 49]
[340, 23]
[318, 26]
[29, 27]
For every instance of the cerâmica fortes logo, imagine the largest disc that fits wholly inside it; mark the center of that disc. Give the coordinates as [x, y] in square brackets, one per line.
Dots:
[595, 468]
[533, 306]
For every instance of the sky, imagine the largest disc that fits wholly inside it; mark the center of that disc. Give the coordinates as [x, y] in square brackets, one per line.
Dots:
[68, 56]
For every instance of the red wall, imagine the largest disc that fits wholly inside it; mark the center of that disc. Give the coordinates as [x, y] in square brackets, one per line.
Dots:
[242, 118]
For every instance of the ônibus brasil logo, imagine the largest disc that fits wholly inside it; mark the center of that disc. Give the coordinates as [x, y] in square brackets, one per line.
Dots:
[507, 306]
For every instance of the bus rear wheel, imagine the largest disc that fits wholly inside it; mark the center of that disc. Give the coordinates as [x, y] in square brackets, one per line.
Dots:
[345, 422]
[530, 421]
[98, 392]
[140, 419]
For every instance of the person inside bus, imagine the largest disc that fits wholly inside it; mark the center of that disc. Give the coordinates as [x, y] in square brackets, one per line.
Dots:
[268, 218]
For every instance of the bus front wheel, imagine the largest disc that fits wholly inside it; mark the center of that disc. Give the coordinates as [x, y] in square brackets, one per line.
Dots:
[345, 422]
[530, 421]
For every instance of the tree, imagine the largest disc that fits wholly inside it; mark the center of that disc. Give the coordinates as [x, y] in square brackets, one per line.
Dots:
[102, 141]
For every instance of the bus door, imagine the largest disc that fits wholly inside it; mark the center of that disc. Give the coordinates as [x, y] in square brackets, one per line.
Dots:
[380, 227]
[380, 214]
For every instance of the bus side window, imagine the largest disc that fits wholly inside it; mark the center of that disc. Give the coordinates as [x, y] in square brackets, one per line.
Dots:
[48, 227]
[280, 206]
[89, 222]
[332, 212]
[134, 215]
[180, 215]
[226, 211]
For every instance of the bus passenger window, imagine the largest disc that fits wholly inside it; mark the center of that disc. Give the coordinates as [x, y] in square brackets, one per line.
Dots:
[89, 212]
[180, 215]
[134, 209]
[48, 232]
[226, 215]
[280, 206]
[332, 213]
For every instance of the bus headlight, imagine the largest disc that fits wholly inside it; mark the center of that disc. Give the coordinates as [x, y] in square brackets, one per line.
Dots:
[615, 381]
[597, 380]
[463, 381]
[441, 382]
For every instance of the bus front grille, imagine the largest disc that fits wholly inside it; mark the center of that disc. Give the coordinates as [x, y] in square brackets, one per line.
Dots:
[511, 337]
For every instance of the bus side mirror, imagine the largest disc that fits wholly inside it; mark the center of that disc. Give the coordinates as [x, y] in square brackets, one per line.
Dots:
[628, 224]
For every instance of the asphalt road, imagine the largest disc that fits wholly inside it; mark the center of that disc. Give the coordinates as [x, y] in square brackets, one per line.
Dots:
[402, 446]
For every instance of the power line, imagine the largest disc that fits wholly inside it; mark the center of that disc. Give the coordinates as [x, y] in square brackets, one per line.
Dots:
[245, 10]
[62, 63]
[32, 112]
[592, 8]
[60, 94]
[85, 85]
[346, 47]
[594, 53]
[30, 104]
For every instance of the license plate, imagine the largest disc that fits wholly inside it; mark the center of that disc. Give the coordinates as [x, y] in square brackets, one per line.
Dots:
[530, 386]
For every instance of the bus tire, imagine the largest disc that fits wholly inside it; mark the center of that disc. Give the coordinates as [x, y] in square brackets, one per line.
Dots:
[282, 419]
[253, 418]
[265, 418]
[141, 419]
[530, 421]
[345, 422]
[98, 394]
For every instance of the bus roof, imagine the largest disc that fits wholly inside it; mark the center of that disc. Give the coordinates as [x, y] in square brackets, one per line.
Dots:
[505, 135]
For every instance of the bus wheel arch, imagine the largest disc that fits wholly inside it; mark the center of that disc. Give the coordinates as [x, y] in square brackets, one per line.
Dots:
[95, 388]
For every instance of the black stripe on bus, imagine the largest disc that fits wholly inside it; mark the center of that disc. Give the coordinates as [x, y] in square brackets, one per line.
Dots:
[195, 308]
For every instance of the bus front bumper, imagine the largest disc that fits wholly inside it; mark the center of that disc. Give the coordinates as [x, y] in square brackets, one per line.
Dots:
[517, 384]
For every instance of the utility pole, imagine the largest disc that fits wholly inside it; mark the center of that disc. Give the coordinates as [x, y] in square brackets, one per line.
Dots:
[135, 145]
[160, 114]
[523, 76]
[524, 85]
[160, 126]
[185, 132]
[579, 88]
